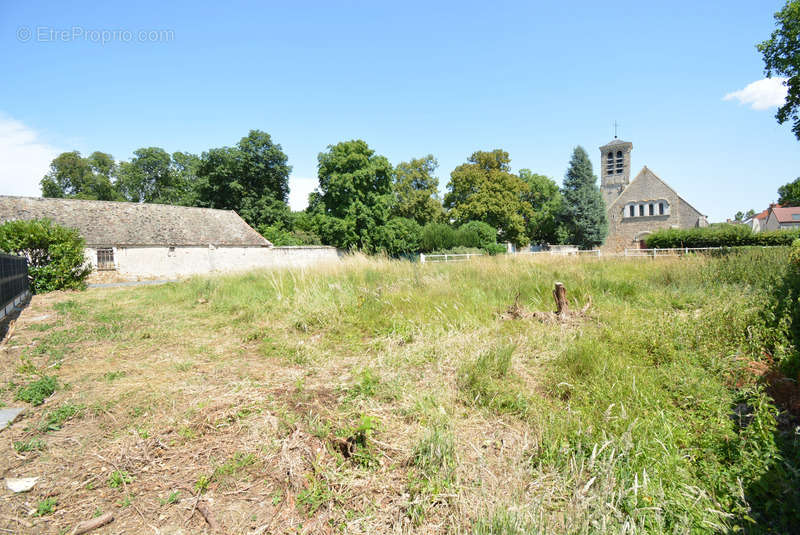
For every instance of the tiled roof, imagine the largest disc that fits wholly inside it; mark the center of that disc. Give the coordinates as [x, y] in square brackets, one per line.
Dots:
[784, 215]
[109, 223]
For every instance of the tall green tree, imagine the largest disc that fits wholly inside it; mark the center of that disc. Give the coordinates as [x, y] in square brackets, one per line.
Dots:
[484, 189]
[73, 176]
[584, 212]
[416, 191]
[184, 168]
[147, 177]
[544, 226]
[251, 178]
[789, 194]
[354, 196]
[781, 53]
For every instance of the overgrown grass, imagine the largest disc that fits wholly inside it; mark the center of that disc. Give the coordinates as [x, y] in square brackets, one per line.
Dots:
[644, 416]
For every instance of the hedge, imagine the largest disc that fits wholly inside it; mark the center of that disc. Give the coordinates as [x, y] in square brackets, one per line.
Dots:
[719, 236]
[54, 253]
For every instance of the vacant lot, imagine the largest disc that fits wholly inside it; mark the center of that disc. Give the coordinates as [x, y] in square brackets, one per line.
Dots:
[381, 396]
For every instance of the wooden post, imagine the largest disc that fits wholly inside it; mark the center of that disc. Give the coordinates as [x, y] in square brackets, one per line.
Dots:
[560, 295]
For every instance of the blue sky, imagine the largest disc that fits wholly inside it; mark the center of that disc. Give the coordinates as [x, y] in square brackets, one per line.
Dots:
[410, 78]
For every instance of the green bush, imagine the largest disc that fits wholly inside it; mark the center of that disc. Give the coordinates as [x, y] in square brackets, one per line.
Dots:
[55, 253]
[719, 236]
[280, 237]
[437, 237]
[399, 236]
[476, 234]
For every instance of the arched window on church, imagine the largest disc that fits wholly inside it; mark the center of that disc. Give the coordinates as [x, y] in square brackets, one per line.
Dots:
[620, 162]
[641, 210]
[610, 163]
[661, 208]
[632, 210]
[652, 209]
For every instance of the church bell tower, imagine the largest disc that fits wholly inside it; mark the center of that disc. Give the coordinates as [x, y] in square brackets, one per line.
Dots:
[615, 168]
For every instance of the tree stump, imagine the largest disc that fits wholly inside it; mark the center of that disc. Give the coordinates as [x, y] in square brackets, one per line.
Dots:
[560, 295]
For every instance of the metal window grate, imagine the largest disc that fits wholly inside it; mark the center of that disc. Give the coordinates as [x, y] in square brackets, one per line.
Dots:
[105, 259]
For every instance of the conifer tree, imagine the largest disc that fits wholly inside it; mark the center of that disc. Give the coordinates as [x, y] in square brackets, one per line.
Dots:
[584, 211]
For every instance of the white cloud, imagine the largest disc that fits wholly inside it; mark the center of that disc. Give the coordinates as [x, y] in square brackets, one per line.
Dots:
[761, 94]
[299, 188]
[24, 158]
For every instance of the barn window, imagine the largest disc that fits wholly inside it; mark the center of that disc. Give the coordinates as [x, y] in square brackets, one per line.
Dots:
[105, 259]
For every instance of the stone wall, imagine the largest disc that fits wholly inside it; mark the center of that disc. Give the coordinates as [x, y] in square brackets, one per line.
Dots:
[625, 232]
[134, 263]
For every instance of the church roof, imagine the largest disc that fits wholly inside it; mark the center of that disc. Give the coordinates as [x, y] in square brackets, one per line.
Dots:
[646, 170]
[617, 142]
[107, 223]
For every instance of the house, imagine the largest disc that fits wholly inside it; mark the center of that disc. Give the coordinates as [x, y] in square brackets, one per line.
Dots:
[637, 208]
[758, 222]
[138, 240]
[783, 218]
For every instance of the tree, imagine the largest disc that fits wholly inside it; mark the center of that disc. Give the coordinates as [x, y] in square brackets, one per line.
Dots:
[789, 194]
[399, 236]
[739, 216]
[148, 177]
[251, 178]
[73, 176]
[54, 253]
[584, 212]
[544, 226]
[184, 167]
[354, 196]
[416, 191]
[485, 190]
[781, 53]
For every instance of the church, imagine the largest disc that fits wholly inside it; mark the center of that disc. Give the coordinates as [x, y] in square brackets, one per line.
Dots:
[637, 208]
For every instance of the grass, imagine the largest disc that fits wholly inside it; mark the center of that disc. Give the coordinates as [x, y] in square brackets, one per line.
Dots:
[54, 420]
[37, 391]
[46, 506]
[33, 444]
[118, 479]
[381, 396]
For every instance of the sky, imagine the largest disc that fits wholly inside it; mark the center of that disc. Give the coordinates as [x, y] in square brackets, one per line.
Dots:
[683, 80]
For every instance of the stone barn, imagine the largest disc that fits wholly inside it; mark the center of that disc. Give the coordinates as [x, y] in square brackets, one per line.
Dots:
[136, 240]
[637, 208]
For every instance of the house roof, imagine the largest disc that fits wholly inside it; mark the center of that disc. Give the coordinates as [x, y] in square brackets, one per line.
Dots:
[107, 223]
[785, 214]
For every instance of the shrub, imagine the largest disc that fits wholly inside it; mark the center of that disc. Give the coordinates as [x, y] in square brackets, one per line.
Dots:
[476, 234]
[719, 236]
[280, 237]
[399, 236]
[55, 254]
[437, 237]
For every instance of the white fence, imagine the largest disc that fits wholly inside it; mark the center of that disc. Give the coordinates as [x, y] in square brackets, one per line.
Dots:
[593, 253]
[446, 257]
